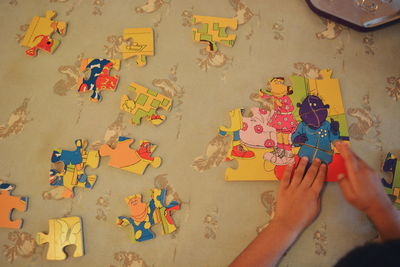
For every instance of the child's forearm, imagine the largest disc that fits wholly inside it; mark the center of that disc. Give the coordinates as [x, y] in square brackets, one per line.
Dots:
[268, 247]
[387, 222]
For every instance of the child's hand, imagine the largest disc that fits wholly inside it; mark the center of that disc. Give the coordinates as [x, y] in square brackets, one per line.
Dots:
[298, 201]
[363, 189]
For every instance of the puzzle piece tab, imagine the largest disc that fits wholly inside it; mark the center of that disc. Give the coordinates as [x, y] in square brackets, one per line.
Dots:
[213, 31]
[73, 172]
[128, 159]
[145, 105]
[139, 42]
[145, 215]
[99, 78]
[38, 35]
[8, 203]
[63, 232]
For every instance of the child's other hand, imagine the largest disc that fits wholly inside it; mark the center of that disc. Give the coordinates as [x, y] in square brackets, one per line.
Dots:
[298, 201]
[362, 188]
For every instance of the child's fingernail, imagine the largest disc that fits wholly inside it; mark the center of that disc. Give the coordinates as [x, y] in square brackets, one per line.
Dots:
[340, 176]
[317, 160]
[304, 158]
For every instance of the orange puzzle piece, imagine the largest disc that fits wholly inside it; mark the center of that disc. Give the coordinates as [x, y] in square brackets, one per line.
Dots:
[8, 203]
[123, 155]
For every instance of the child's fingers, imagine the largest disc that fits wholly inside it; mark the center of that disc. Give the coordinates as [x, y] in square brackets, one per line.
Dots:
[299, 172]
[311, 173]
[286, 176]
[320, 179]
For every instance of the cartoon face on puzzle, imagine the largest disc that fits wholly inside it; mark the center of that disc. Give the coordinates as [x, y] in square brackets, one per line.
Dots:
[297, 123]
[144, 215]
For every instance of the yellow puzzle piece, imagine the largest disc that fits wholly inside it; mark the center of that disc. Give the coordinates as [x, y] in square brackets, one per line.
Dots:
[213, 31]
[139, 43]
[145, 105]
[62, 232]
[328, 90]
[38, 35]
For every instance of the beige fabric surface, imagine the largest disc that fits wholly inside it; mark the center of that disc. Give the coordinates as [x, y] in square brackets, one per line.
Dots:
[41, 110]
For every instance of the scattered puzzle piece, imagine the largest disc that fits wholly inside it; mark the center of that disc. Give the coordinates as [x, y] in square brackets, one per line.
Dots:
[62, 232]
[74, 163]
[128, 159]
[99, 78]
[213, 31]
[8, 203]
[38, 35]
[145, 105]
[392, 187]
[140, 43]
[145, 215]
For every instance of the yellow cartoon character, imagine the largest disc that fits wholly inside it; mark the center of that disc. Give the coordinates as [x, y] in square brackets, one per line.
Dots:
[282, 120]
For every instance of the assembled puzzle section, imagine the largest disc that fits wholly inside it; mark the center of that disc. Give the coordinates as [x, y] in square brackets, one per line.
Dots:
[145, 105]
[213, 31]
[392, 186]
[62, 232]
[299, 123]
[128, 159]
[8, 203]
[99, 78]
[72, 173]
[139, 43]
[38, 35]
[145, 215]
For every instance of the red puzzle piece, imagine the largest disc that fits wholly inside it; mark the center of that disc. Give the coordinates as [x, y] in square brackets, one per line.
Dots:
[336, 167]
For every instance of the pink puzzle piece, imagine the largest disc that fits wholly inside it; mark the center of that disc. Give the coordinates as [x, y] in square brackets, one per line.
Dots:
[256, 132]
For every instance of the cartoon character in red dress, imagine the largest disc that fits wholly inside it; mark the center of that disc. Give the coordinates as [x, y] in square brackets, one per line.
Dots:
[282, 120]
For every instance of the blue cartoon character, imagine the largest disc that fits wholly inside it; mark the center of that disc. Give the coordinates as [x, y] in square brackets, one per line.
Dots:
[314, 134]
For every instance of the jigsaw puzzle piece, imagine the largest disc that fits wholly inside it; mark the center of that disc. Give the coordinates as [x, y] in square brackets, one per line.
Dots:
[139, 42]
[8, 203]
[74, 163]
[141, 218]
[328, 89]
[38, 35]
[128, 159]
[165, 211]
[99, 78]
[392, 187]
[145, 105]
[237, 149]
[62, 232]
[122, 155]
[144, 216]
[213, 31]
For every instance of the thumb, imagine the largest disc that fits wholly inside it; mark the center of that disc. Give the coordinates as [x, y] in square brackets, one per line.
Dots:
[346, 187]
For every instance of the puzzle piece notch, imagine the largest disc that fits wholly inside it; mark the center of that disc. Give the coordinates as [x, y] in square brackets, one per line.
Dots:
[8, 203]
[145, 105]
[62, 232]
[99, 78]
[128, 159]
[74, 164]
[145, 215]
[38, 35]
[139, 42]
[213, 31]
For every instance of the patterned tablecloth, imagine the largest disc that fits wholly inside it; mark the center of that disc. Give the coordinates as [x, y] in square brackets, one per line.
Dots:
[40, 112]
